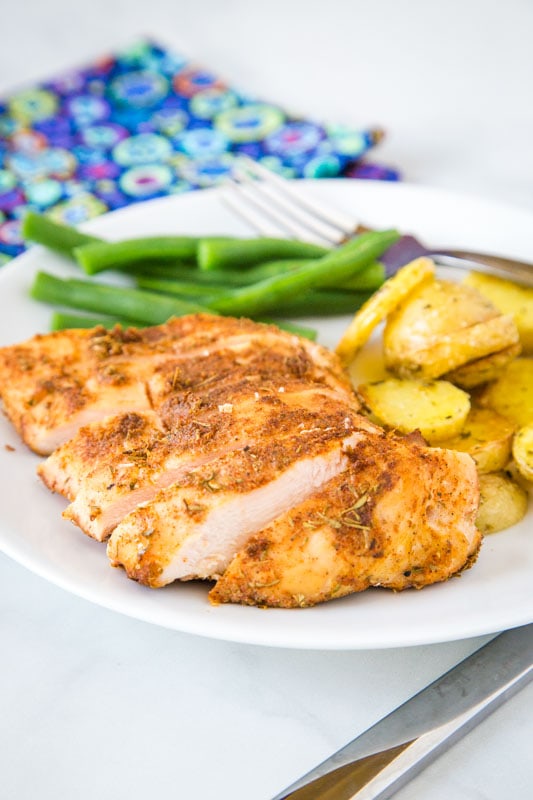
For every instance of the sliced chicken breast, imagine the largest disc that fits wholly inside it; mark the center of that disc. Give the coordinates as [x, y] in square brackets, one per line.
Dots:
[227, 450]
[53, 384]
[110, 467]
[194, 528]
[401, 515]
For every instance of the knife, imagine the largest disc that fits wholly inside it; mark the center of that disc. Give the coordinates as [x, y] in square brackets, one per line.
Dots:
[384, 758]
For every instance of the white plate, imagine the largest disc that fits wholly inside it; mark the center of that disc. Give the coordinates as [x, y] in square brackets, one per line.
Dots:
[494, 595]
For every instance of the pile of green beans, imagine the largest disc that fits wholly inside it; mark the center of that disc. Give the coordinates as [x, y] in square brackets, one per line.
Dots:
[176, 275]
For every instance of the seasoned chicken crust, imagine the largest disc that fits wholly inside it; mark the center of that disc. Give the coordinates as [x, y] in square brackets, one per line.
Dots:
[371, 525]
[229, 450]
[54, 383]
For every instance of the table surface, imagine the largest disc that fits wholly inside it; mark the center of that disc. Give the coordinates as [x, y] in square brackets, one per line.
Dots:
[96, 705]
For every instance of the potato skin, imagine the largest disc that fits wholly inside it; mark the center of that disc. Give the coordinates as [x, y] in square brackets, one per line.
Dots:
[487, 437]
[382, 303]
[509, 298]
[502, 503]
[442, 326]
[436, 308]
[523, 451]
[483, 370]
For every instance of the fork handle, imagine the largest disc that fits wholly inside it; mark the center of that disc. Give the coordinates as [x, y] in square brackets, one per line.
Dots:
[517, 271]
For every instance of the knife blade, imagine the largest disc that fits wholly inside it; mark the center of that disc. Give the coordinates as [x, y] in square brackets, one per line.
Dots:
[384, 758]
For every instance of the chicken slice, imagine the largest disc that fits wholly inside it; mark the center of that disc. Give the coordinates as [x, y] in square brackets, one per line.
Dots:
[262, 355]
[43, 387]
[194, 528]
[53, 384]
[98, 447]
[110, 467]
[372, 525]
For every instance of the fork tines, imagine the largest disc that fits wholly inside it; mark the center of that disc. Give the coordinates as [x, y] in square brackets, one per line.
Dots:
[274, 207]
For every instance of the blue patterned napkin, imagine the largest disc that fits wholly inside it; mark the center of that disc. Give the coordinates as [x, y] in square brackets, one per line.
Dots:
[146, 123]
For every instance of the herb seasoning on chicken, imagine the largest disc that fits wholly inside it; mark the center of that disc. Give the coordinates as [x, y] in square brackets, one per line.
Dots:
[229, 450]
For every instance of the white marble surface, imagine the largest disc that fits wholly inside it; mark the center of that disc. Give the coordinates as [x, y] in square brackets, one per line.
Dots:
[96, 705]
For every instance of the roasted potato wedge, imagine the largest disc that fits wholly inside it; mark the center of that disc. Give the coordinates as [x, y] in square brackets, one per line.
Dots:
[511, 395]
[452, 350]
[523, 451]
[502, 503]
[487, 437]
[483, 370]
[434, 309]
[436, 408]
[509, 298]
[442, 326]
[381, 304]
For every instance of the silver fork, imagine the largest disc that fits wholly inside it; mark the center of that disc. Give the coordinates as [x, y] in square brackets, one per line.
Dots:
[273, 206]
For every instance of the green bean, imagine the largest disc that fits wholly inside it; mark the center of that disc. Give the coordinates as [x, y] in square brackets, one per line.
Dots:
[290, 327]
[217, 277]
[323, 303]
[61, 238]
[133, 304]
[173, 270]
[65, 239]
[335, 267]
[217, 253]
[179, 288]
[62, 320]
[370, 278]
[311, 303]
[183, 272]
[99, 256]
[260, 272]
[244, 277]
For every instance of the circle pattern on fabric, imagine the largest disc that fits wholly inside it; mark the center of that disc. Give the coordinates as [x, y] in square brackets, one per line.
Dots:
[33, 105]
[139, 89]
[145, 148]
[147, 122]
[146, 181]
[249, 123]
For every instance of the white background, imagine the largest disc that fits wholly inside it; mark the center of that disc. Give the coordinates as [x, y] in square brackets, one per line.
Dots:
[94, 705]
